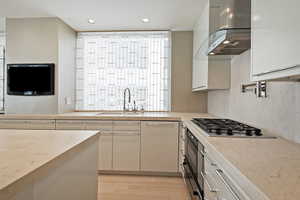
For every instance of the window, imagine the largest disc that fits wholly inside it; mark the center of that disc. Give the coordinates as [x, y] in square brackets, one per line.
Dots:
[109, 62]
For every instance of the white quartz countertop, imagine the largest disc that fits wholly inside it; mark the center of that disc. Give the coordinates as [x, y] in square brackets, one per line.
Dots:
[24, 151]
[156, 116]
[272, 165]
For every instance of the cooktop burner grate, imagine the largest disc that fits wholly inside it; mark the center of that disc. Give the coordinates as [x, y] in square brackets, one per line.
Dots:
[226, 127]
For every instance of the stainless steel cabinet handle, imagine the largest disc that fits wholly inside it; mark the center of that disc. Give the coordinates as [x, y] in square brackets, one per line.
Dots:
[220, 173]
[211, 189]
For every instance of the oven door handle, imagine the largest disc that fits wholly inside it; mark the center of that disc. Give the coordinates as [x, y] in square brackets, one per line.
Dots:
[211, 189]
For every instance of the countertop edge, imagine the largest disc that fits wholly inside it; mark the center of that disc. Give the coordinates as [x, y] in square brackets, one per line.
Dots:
[55, 158]
[253, 191]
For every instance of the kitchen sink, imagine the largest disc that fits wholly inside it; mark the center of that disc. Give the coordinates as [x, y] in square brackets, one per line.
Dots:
[118, 113]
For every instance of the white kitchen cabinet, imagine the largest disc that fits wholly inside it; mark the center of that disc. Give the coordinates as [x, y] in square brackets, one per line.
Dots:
[126, 145]
[275, 39]
[159, 146]
[13, 124]
[27, 124]
[105, 151]
[70, 125]
[209, 72]
[105, 140]
[126, 150]
[126, 125]
[103, 126]
[40, 124]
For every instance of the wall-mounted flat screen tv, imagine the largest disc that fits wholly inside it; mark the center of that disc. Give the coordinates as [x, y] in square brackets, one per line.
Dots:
[30, 79]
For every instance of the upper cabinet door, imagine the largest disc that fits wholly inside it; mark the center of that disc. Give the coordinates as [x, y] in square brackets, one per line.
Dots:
[275, 39]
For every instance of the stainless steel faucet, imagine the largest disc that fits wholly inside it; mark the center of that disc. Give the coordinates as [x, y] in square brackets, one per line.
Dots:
[129, 99]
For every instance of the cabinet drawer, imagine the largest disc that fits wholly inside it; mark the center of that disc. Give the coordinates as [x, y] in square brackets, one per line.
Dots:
[40, 124]
[12, 124]
[98, 125]
[126, 126]
[226, 189]
[70, 125]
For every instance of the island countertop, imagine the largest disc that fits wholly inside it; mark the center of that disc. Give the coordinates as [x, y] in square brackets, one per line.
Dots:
[24, 151]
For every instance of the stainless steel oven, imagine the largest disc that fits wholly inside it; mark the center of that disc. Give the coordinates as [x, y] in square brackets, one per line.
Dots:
[193, 165]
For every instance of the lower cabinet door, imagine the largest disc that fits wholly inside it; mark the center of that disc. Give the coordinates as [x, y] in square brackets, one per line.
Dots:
[105, 151]
[13, 124]
[159, 146]
[126, 151]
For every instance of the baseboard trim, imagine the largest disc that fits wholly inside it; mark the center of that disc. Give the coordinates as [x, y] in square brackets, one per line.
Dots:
[135, 173]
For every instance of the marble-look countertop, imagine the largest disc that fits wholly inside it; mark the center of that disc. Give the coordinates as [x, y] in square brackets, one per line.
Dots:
[156, 116]
[24, 151]
[272, 165]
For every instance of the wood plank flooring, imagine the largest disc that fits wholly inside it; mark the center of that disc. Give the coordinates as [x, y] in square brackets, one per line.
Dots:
[119, 187]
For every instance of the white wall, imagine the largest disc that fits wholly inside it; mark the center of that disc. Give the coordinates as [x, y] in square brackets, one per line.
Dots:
[278, 114]
[66, 63]
[38, 40]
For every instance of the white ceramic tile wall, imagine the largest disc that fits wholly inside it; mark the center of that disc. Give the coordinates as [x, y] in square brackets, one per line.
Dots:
[278, 114]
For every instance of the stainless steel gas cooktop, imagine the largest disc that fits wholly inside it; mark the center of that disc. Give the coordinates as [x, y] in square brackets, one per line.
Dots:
[228, 128]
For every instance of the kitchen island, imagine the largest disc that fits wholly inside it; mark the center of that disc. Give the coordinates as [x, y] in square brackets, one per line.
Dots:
[48, 164]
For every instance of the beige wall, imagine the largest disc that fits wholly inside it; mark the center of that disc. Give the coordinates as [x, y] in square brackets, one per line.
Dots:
[66, 63]
[278, 114]
[183, 100]
[37, 40]
[2, 24]
[32, 41]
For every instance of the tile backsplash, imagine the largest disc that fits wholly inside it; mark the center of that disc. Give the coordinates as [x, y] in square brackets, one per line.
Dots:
[278, 114]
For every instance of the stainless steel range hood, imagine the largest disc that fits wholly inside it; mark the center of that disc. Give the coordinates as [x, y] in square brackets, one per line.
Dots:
[231, 20]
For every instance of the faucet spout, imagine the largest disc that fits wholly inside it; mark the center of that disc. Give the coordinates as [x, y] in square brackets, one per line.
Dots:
[124, 100]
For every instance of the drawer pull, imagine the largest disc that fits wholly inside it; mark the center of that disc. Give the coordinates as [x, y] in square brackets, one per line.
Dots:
[221, 175]
[211, 189]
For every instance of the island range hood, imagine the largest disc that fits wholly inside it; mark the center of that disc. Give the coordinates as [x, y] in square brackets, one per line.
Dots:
[232, 27]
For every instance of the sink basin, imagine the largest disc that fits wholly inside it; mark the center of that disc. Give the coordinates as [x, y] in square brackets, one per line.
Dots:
[118, 113]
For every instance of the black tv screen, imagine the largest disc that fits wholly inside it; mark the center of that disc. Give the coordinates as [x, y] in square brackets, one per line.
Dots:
[30, 79]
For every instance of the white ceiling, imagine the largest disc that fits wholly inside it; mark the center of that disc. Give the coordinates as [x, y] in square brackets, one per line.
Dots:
[109, 14]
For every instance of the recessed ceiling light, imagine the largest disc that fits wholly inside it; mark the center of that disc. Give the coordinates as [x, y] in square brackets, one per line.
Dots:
[211, 53]
[91, 21]
[226, 42]
[145, 20]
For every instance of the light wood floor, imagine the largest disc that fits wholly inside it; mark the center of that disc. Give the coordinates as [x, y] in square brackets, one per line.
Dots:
[115, 187]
